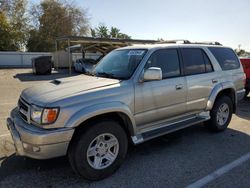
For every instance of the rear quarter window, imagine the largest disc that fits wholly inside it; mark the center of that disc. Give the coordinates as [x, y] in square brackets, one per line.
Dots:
[226, 58]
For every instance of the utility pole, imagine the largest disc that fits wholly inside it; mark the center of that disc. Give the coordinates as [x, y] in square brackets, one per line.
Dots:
[239, 46]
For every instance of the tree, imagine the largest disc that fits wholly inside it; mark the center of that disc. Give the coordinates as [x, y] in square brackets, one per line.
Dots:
[241, 52]
[114, 32]
[123, 36]
[92, 32]
[52, 19]
[14, 23]
[19, 22]
[102, 31]
[6, 41]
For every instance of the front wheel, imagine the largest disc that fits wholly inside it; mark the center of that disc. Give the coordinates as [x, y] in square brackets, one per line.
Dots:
[99, 151]
[221, 114]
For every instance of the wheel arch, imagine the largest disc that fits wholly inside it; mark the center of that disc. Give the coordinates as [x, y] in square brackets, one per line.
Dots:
[114, 111]
[227, 89]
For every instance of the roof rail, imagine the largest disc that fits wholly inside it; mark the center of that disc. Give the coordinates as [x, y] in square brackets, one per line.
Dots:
[208, 43]
[181, 41]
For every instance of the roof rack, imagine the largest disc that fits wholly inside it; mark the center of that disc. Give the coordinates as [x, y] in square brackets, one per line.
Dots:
[182, 41]
[208, 43]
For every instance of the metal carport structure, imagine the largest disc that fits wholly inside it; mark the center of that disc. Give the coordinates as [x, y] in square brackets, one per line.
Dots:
[103, 45]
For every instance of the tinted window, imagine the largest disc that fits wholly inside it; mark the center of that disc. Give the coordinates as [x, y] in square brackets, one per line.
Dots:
[167, 60]
[208, 64]
[226, 58]
[193, 61]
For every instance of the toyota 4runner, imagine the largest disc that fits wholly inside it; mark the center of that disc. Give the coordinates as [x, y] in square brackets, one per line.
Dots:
[134, 94]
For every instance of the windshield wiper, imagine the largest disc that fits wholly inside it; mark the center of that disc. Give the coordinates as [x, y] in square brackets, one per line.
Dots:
[89, 73]
[109, 75]
[105, 74]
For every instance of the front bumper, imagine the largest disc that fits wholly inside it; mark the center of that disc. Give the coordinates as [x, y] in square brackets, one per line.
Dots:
[35, 142]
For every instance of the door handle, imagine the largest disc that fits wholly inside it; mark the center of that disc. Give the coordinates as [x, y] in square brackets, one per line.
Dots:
[178, 87]
[214, 81]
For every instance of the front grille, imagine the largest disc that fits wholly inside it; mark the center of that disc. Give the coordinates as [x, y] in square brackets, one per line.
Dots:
[23, 107]
[24, 117]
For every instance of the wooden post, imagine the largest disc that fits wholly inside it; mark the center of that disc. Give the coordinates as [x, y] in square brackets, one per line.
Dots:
[70, 61]
[56, 57]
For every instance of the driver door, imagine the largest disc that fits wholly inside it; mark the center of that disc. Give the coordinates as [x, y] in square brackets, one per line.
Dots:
[161, 99]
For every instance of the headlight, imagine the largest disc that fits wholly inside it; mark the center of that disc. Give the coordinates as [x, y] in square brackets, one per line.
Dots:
[36, 114]
[44, 115]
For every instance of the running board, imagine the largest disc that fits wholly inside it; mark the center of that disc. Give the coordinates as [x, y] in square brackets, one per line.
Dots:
[167, 129]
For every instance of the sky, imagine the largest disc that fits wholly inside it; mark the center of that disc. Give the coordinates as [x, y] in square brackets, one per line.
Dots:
[225, 21]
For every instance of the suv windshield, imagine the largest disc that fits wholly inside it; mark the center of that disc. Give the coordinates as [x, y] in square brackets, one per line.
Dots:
[119, 64]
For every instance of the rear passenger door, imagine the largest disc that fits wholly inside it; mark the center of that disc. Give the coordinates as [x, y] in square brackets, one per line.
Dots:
[200, 76]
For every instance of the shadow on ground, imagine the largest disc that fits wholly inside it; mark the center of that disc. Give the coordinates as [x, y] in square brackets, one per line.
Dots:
[243, 108]
[29, 76]
[174, 160]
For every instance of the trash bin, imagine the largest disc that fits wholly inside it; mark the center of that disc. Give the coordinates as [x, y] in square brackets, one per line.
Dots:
[42, 65]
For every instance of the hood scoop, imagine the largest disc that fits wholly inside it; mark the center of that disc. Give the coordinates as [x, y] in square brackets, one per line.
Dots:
[56, 82]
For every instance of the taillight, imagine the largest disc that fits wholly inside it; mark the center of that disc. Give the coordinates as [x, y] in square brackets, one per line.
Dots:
[245, 79]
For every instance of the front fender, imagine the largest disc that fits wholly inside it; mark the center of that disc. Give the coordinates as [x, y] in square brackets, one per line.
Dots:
[216, 90]
[99, 109]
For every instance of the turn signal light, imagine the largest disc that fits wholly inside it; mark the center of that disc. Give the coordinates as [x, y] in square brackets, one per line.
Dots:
[50, 115]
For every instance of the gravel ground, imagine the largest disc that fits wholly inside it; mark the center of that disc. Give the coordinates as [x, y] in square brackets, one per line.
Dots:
[174, 160]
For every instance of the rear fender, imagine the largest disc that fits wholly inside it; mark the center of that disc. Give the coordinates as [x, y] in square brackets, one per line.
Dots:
[216, 90]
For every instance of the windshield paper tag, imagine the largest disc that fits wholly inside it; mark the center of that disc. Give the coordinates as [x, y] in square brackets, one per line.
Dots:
[135, 52]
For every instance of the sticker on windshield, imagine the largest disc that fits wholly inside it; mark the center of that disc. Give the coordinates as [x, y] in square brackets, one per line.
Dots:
[136, 52]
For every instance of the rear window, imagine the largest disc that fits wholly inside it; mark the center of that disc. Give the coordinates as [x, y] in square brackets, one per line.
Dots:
[226, 58]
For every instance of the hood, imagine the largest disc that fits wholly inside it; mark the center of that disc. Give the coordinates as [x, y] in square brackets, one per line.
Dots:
[61, 88]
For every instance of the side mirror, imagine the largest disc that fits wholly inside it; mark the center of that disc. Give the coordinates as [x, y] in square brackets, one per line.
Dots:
[152, 73]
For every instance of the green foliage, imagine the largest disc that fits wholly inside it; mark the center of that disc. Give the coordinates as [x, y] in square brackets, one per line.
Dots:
[102, 31]
[52, 19]
[19, 22]
[37, 28]
[92, 32]
[240, 52]
[13, 22]
[114, 32]
[6, 42]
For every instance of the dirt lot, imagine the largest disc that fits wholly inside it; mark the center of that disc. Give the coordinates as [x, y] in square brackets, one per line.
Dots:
[193, 155]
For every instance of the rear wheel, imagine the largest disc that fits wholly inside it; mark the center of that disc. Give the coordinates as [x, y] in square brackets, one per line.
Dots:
[246, 93]
[221, 114]
[99, 151]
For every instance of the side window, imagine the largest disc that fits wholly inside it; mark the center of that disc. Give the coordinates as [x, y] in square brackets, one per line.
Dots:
[226, 58]
[167, 60]
[208, 64]
[193, 61]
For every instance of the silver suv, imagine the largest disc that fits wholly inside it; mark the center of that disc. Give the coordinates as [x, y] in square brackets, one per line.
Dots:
[135, 94]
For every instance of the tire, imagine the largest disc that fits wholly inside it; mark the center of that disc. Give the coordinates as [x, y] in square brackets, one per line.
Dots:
[246, 93]
[91, 149]
[223, 105]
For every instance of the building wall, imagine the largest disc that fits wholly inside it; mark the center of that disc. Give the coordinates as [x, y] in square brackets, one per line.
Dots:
[19, 59]
[24, 59]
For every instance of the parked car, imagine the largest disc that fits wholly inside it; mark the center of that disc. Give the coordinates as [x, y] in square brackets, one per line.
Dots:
[135, 94]
[246, 66]
[84, 65]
